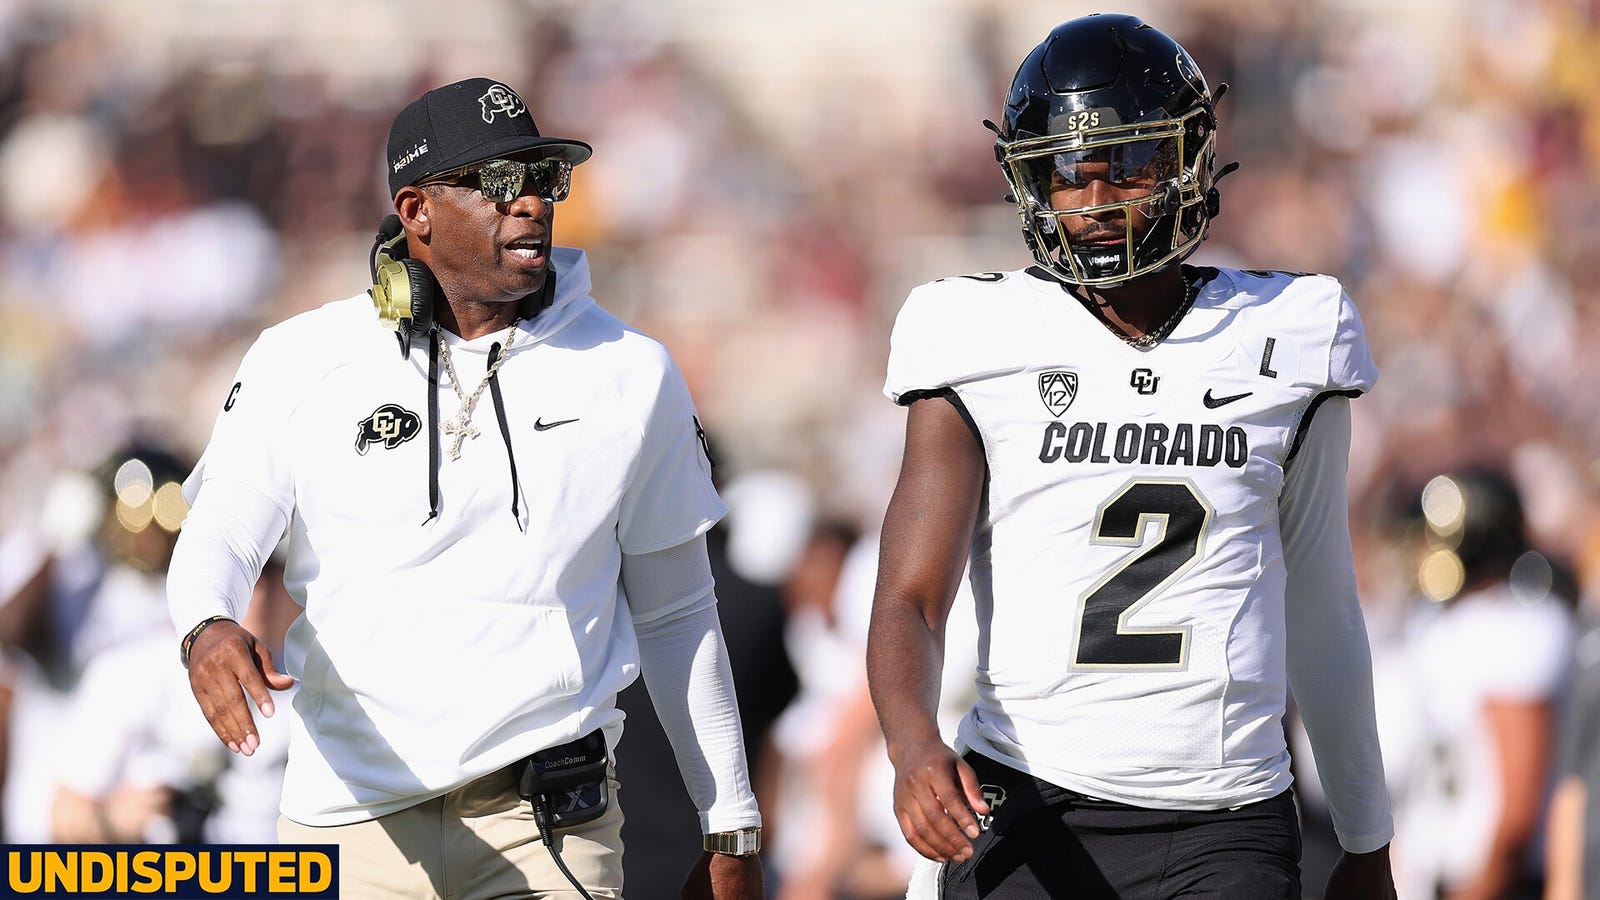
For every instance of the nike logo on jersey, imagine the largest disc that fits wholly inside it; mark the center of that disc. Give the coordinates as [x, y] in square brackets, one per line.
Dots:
[540, 425]
[1214, 402]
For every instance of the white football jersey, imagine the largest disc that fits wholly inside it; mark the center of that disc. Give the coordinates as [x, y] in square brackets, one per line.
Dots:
[1457, 667]
[1127, 564]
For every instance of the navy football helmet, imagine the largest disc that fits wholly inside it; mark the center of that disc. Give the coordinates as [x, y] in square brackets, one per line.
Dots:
[1108, 98]
[1475, 529]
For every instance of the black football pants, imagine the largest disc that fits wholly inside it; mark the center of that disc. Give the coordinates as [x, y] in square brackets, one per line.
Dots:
[1048, 842]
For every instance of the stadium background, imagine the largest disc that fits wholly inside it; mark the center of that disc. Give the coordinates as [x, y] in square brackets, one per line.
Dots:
[769, 181]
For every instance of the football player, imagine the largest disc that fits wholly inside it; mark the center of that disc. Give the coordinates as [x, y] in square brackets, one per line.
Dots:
[1482, 720]
[1145, 462]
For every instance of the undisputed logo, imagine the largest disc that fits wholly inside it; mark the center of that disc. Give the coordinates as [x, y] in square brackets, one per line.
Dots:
[390, 424]
[501, 99]
[170, 870]
[1058, 389]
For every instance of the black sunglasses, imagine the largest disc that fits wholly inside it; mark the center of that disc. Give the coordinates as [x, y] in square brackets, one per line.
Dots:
[502, 180]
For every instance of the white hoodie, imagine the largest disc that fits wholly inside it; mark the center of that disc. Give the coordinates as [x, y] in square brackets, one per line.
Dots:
[436, 650]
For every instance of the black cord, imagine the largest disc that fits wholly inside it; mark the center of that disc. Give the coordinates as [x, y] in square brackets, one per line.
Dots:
[433, 425]
[541, 818]
[505, 436]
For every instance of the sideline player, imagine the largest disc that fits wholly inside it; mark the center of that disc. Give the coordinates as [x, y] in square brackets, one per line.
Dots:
[1145, 462]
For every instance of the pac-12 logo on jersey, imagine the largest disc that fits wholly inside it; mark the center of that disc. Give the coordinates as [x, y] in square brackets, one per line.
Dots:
[389, 423]
[1058, 389]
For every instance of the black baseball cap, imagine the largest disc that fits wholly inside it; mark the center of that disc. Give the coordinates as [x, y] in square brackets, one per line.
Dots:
[463, 123]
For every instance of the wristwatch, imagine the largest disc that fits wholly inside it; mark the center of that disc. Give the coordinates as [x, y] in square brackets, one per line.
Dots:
[744, 842]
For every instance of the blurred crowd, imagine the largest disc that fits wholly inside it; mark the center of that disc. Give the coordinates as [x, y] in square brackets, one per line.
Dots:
[767, 185]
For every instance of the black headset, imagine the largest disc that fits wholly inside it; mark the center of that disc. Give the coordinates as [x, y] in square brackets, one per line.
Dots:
[402, 289]
[405, 292]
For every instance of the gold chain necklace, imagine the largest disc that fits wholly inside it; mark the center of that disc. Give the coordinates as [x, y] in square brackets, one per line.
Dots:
[460, 428]
[1149, 339]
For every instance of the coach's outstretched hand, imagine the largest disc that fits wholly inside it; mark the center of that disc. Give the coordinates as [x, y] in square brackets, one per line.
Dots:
[224, 659]
[1361, 876]
[718, 876]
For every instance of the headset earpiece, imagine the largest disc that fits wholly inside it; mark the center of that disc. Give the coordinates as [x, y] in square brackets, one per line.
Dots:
[403, 289]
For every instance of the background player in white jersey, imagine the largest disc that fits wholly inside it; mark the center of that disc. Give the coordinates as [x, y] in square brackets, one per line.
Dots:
[469, 616]
[1485, 664]
[1145, 462]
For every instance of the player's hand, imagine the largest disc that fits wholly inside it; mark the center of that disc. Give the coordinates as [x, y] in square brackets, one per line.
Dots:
[718, 876]
[1361, 876]
[226, 663]
[937, 800]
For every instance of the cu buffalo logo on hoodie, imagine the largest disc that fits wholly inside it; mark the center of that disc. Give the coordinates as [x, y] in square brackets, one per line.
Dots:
[390, 424]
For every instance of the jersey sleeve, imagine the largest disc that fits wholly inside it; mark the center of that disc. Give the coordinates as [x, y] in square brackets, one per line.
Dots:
[1541, 632]
[1351, 370]
[1335, 344]
[919, 352]
[247, 441]
[670, 498]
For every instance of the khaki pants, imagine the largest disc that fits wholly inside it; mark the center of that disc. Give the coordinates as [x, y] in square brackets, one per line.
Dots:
[478, 841]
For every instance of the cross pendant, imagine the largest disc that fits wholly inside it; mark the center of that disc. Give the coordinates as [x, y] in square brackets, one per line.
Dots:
[462, 430]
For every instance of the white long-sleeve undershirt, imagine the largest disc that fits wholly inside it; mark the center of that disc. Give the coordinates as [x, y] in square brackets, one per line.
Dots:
[685, 664]
[1329, 659]
[231, 530]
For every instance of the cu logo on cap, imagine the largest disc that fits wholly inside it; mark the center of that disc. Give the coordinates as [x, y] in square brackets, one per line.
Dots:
[501, 99]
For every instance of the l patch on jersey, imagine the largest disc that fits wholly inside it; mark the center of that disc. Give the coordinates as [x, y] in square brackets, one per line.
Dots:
[227, 405]
[1058, 389]
[391, 424]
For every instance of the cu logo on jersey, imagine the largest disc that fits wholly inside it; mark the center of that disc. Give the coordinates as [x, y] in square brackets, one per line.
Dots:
[1144, 381]
[1058, 389]
[501, 99]
[390, 425]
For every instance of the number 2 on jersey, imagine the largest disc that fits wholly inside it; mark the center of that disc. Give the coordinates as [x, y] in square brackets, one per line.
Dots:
[1105, 640]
